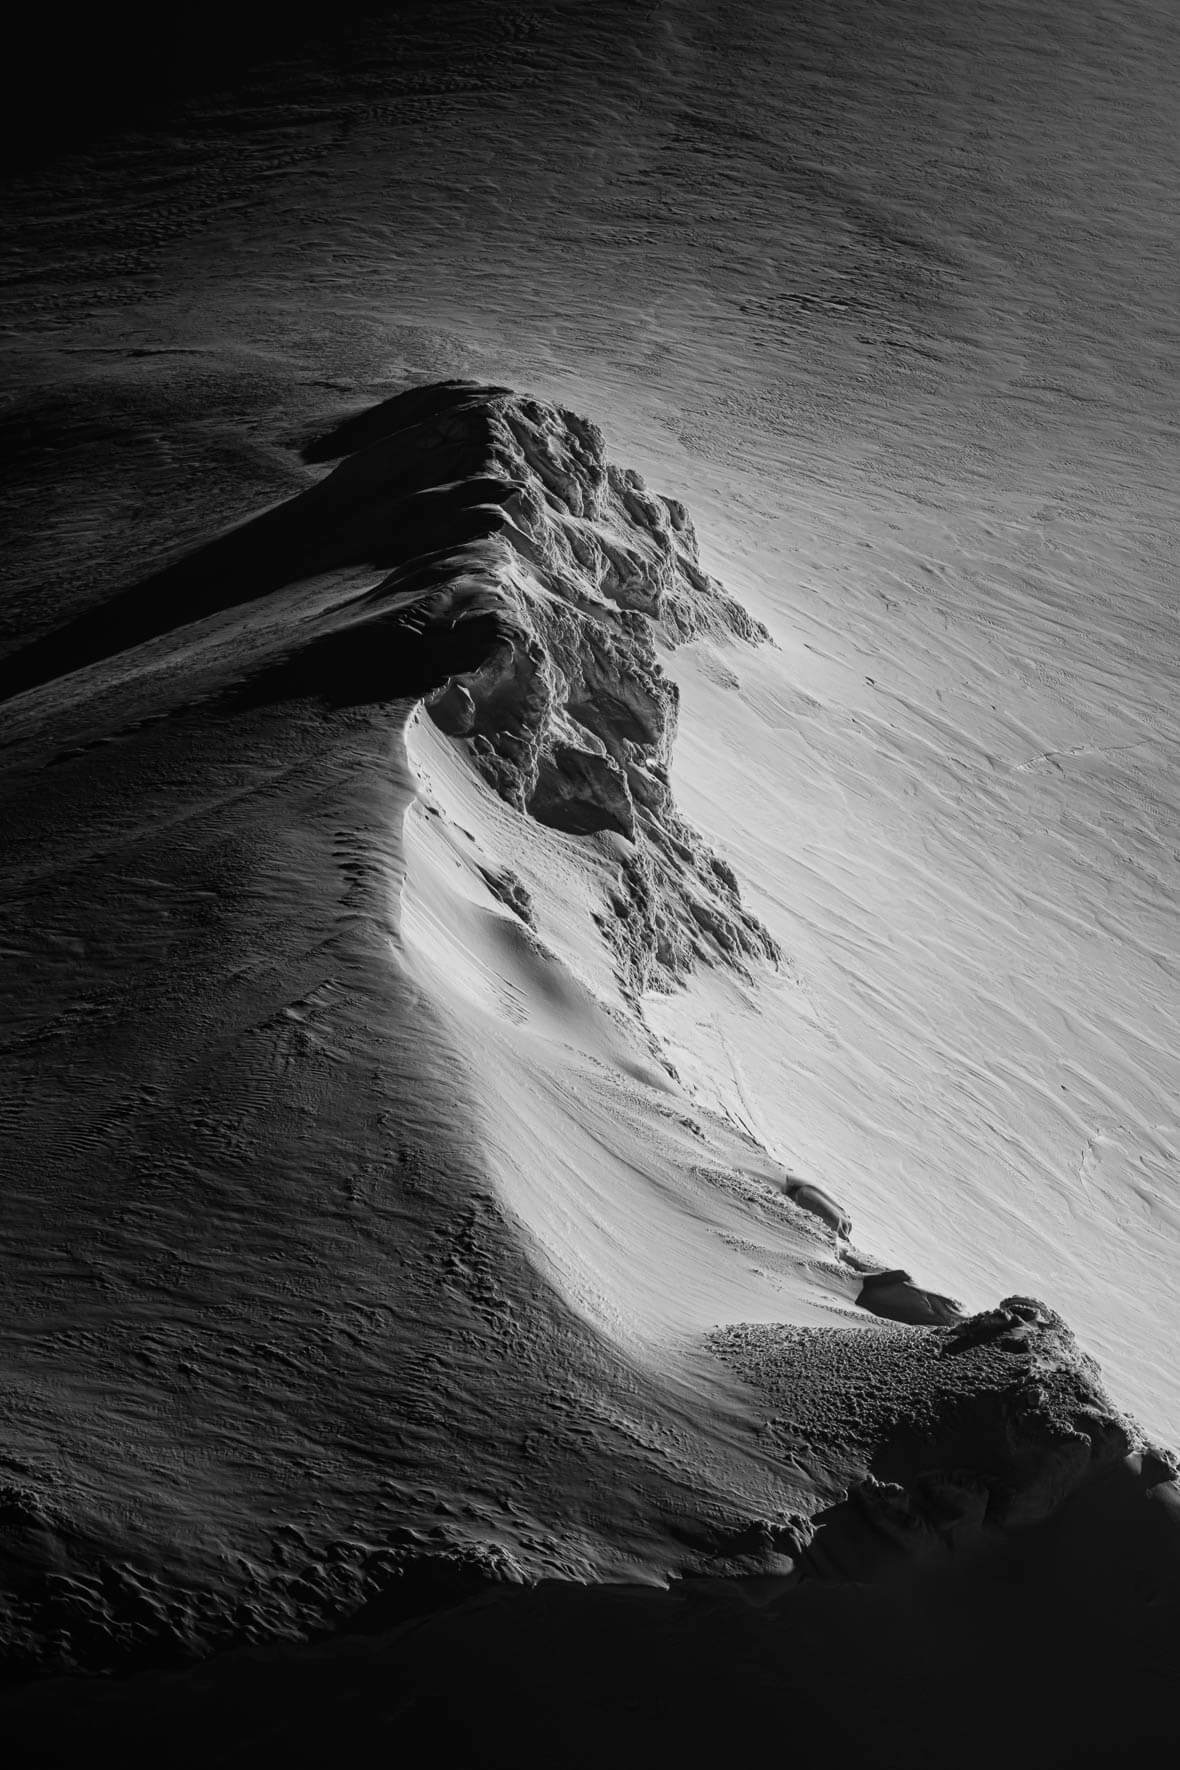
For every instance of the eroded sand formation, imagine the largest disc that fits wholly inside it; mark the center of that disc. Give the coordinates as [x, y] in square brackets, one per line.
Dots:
[576, 570]
[277, 1185]
[531, 582]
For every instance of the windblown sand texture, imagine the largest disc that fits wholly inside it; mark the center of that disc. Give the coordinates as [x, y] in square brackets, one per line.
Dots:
[587, 894]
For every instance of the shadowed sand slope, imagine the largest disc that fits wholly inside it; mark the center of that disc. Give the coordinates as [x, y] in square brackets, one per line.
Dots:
[365, 1250]
[1060, 1656]
[271, 1313]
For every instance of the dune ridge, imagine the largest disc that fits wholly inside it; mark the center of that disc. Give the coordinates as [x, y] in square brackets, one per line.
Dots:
[530, 581]
[251, 974]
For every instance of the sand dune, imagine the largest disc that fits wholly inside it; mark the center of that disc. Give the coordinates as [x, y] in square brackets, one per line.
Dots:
[210, 978]
[507, 1042]
[335, 1104]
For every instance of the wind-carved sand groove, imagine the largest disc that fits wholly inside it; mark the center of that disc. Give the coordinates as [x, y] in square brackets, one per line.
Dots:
[285, 1358]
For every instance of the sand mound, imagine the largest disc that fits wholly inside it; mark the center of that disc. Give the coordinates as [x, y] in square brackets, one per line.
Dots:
[529, 581]
[370, 1251]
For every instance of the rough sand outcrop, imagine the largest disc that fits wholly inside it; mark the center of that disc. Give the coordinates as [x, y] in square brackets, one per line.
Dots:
[531, 582]
[965, 1431]
[566, 709]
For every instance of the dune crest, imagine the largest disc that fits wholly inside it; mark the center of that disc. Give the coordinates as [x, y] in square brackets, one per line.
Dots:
[548, 629]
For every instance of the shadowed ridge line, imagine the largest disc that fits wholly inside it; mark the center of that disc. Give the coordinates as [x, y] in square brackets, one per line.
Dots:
[378, 423]
[414, 481]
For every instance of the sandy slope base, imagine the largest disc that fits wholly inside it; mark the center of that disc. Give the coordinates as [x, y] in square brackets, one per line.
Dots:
[1019, 1663]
